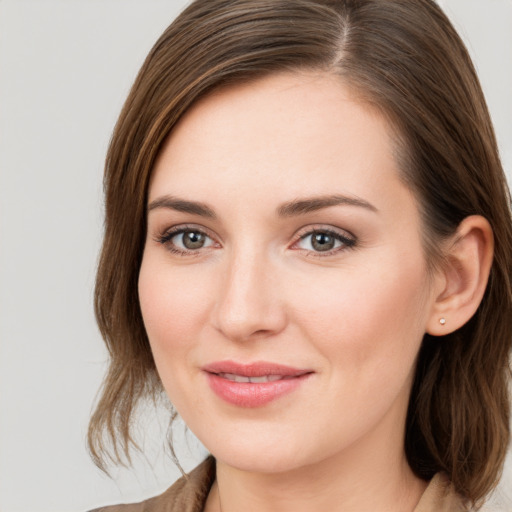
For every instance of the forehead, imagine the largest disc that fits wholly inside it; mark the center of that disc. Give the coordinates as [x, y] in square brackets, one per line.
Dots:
[278, 136]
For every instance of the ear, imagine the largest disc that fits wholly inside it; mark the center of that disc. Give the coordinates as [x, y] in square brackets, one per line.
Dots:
[461, 282]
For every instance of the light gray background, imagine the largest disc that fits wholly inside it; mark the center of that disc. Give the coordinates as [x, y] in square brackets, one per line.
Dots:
[65, 69]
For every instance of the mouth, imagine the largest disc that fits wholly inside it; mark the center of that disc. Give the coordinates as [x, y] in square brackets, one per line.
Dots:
[255, 384]
[255, 380]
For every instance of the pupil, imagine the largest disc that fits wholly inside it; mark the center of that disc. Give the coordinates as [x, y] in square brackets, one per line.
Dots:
[323, 242]
[193, 240]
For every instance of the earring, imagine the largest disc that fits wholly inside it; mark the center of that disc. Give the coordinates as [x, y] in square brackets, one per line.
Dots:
[442, 320]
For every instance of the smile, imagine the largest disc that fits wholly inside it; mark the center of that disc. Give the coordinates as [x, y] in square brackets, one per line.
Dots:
[253, 385]
[255, 380]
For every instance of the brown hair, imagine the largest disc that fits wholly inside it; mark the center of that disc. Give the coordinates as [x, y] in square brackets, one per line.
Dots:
[404, 57]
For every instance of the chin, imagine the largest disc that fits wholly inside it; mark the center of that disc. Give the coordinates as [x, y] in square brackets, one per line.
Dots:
[262, 454]
[259, 461]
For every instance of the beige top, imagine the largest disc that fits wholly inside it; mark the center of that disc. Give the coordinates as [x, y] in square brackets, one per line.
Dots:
[189, 494]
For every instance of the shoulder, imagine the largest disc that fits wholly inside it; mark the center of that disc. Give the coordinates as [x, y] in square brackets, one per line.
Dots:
[188, 494]
[440, 496]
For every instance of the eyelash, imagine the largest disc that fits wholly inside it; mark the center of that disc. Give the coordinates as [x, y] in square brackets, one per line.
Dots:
[347, 242]
[166, 237]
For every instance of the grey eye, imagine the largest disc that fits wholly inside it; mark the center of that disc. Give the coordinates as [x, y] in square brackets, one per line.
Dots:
[193, 239]
[322, 241]
[188, 240]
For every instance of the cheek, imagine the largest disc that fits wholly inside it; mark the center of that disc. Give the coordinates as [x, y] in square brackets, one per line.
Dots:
[175, 305]
[368, 329]
[368, 320]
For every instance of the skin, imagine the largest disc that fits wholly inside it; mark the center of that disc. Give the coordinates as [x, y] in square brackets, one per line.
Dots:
[257, 291]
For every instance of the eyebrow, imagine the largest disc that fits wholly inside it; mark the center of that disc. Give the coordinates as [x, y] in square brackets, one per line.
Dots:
[289, 209]
[182, 205]
[312, 204]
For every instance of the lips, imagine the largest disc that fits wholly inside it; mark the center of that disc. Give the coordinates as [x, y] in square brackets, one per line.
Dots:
[253, 385]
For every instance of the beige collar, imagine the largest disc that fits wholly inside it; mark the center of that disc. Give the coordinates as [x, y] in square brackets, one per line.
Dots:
[440, 497]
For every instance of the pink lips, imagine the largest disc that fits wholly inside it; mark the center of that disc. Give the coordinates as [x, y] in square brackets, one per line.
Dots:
[252, 385]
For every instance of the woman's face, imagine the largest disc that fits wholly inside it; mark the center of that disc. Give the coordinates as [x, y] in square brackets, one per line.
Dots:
[283, 285]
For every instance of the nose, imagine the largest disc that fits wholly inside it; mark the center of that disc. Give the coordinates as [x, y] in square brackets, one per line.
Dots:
[250, 304]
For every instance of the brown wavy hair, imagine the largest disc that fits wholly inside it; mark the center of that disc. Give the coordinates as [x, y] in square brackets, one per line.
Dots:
[405, 58]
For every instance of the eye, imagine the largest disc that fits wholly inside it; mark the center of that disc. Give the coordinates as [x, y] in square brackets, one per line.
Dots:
[324, 241]
[185, 240]
[191, 240]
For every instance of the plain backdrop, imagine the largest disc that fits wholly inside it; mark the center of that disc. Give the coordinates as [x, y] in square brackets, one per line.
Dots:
[65, 68]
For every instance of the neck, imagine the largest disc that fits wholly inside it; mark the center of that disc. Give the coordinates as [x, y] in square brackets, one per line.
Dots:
[315, 488]
[370, 475]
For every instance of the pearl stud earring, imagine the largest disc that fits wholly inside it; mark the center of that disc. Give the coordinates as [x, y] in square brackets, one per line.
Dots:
[442, 320]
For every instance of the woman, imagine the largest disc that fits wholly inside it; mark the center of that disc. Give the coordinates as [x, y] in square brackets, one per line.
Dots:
[308, 247]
